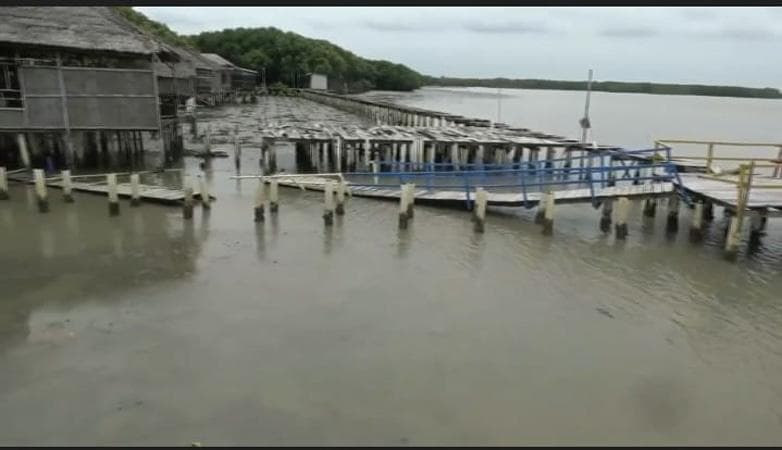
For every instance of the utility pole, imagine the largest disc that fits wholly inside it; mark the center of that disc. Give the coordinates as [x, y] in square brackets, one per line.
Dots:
[584, 122]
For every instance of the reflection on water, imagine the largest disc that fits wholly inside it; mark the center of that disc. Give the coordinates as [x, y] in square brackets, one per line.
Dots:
[221, 330]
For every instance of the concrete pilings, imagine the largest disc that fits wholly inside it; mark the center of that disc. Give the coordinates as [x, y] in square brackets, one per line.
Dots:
[260, 201]
[481, 201]
[328, 200]
[187, 210]
[274, 196]
[3, 184]
[135, 199]
[67, 186]
[696, 225]
[111, 182]
[622, 210]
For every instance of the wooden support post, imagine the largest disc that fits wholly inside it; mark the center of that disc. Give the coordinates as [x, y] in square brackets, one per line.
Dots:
[696, 226]
[733, 238]
[622, 210]
[708, 211]
[756, 226]
[208, 140]
[403, 209]
[260, 200]
[238, 151]
[111, 182]
[605, 218]
[67, 186]
[3, 184]
[481, 200]
[340, 209]
[540, 214]
[548, 214]
[24, 154]
[40, 191]
[274, 196]
[672, 221]
[187, 211]
[328, 199]
[135, 196]
[410, 200]
[203, 187]
[650, 207]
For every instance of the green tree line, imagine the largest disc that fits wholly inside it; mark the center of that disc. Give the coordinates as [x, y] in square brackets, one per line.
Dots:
[608, 86]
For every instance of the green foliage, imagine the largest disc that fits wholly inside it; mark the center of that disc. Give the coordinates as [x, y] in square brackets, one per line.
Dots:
[155, 28]
[609, 86]
[287, 57]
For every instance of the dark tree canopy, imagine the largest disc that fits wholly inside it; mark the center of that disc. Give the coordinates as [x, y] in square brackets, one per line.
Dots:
[287, 57]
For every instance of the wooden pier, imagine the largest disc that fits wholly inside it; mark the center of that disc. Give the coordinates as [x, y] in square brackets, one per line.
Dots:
[148, 193]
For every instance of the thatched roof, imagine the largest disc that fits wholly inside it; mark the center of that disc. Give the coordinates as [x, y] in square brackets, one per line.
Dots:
[95, 28]
[218, 60]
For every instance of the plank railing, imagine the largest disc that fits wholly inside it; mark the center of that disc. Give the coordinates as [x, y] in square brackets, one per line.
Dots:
[711, 147]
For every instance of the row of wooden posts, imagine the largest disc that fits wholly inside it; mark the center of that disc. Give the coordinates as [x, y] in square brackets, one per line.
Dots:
[334, 200]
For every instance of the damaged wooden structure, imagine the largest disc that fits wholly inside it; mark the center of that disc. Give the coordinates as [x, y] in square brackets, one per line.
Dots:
[80, 87]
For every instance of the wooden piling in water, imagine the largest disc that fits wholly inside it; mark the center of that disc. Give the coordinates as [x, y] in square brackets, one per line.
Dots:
[274, 193]
[111, 182]
[187, 185]
[548, 214]
[756, 227]
[622, 210]
[696, 226]
[410, 200]
[40, 191]
[203, 187]
[481, 200]
[403, 209]
[24, 154]
[3, 184]
[540, 214]
[340, 209]
[260, 201]
[135, 194]
[672, 221]
[67, 186]
[328, 200]
[650, 207]
[708, 211]
[732, 239]
[605, 217]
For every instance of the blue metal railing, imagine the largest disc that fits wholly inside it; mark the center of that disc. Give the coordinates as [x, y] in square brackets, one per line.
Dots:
[528, 176]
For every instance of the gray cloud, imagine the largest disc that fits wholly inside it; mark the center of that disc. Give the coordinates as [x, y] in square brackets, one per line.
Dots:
[629, 32]
[738, 34]
[399, 25]
[506, 27]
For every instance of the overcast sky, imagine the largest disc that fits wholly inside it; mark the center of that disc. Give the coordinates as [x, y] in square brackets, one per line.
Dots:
[738, 46]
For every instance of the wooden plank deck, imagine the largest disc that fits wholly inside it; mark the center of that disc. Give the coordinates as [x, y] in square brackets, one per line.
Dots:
[148, 193]
[726, 194]
[457, 198]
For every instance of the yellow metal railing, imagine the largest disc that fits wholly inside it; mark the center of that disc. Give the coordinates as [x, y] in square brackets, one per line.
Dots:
[746, 172]
[711, 146]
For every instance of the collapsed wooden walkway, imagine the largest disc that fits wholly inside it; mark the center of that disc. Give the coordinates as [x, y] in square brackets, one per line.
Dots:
[149, 193]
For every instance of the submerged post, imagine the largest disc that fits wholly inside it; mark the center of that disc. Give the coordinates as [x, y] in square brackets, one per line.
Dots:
[622, 209]
[605, 218]
[481, 199]
[672, 222]
[410, 200]
[650, 207]
[260, 200]
[135, 197]
[111, 182]
[328, 200]
[733, 238]
[403, 209]
[274, 201]
[67, 186]
[187, 211]
[340, 210]
[203, 188]
[24, 155]
[696, 226]
[540, 214]
[548, 214]
[3, 184]
[40, 191]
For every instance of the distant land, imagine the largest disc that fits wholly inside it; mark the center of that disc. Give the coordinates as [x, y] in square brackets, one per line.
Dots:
[609, 86]
[286, 57]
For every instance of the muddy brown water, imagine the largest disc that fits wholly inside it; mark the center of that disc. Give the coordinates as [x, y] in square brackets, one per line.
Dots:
[145, 328]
